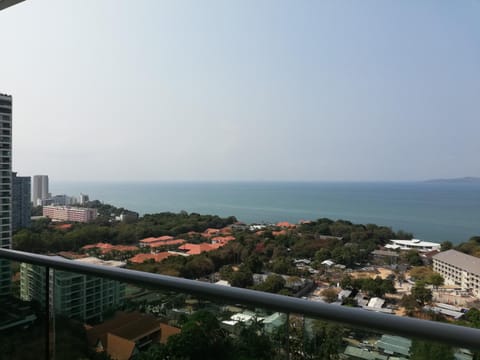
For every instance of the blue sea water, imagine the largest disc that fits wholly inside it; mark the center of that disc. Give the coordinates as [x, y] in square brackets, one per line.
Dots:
[432, 211]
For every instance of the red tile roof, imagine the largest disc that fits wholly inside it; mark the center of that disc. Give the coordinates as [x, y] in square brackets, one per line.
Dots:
[62, 226]
[105, 247]
[167, 243]
[97, 246]
[167, 331]
[286, 224]
[210, 232]
[155, 239]
[195, 249]
[119, 335]
[141, 258]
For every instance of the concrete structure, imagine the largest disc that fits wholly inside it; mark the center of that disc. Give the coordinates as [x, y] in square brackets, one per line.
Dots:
[70, 213]
[76, 295]
[414, 244]
[21, 205]
[40, 189]
[459, 269]
[5, 188]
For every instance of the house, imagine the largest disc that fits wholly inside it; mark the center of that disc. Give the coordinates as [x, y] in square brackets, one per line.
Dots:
[126, 334]
[286, 225]
[162, 241]
[158, 257]
[395, 345]
[195, 249]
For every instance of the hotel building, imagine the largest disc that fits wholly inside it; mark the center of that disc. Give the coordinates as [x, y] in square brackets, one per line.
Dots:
[70, 213]
[459, 269]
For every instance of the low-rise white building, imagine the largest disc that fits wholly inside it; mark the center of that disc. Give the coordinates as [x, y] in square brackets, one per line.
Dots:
[459, 269]
[414, 244]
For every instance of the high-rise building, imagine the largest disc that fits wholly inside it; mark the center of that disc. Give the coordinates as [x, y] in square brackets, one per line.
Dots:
[21, 205]
[76, 295]
[5, 188]
[83, 199]
[40, 189]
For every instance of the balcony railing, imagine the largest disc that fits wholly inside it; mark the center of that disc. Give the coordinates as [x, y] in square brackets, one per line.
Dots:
[172, 300]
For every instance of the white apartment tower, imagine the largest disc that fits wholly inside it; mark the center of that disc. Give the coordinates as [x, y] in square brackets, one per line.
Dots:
[40, 189]
[5, 188]
[76, 295]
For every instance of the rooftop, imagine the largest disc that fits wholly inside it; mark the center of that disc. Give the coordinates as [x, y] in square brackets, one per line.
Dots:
[463, 261]
[96, 261]
[141, 258]
[414, 242]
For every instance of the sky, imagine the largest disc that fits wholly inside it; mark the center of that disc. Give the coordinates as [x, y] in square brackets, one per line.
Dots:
[153, 90]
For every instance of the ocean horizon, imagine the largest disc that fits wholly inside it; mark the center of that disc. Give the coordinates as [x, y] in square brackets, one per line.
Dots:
[431, 211]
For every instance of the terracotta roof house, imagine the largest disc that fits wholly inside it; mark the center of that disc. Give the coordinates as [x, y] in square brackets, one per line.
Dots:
[286, 224]
[195, 249]
[126, 334]
[106, 248]
[160, 241]
[141, 258]
[167, 243]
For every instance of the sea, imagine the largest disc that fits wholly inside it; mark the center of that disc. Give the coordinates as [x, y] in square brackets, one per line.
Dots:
[431, 211]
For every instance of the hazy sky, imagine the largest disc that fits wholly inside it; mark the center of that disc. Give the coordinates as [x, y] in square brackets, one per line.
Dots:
[243, 90]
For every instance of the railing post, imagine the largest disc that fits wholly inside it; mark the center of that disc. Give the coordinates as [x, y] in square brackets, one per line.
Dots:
[287, 344]
[47, 312]
[50, 314]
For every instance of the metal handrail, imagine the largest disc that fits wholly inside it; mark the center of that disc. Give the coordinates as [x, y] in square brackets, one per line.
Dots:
[455, 335]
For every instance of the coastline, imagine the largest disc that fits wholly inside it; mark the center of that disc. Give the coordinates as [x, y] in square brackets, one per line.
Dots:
[432, 211]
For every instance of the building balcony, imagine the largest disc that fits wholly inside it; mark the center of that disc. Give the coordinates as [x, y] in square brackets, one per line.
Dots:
[218, 322]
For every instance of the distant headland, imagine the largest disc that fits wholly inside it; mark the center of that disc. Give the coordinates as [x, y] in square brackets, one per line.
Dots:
[462, 180]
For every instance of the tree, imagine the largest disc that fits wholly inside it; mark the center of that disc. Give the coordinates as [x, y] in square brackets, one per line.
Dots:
[346, 282]
[473, 317]
[413, 258]
[327, 340]
[198, 266]
[409, 303]
[253, 263]
[436, 280]
[330, 295]
[241, 278]
[421, 294]
[253, 342]
[201, 338]
[446, 245]
[428, 350]
[272, 284]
